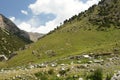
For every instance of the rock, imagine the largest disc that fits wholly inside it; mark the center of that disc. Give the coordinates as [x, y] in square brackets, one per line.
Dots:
[86, 56]
[2, 70]
[89, 62]
[31, 66]
[12, 55]
[98, 61]
[72, 63]
[3, 57]
[62, 64]
[58, 75]
[62, 68]
[50, 53]
[116, 76]
[75, 76]
[80, 79]
[53, 64]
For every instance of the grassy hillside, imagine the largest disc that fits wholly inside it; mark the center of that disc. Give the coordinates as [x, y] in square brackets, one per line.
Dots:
[62, 44]
[82, 33]
[9, 42]
[11, 37]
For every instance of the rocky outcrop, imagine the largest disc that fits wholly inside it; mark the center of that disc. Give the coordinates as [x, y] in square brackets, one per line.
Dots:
[3, 57]
[35, 36]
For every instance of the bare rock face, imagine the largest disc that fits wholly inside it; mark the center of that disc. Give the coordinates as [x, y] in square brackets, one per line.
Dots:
[8, 25]
[35, 36]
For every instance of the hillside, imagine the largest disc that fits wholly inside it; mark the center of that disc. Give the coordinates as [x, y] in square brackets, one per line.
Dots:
[84, 33]
[11, 37]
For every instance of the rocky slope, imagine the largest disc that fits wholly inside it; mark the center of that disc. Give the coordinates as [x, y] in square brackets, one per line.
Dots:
[11, 37]
[8, 25]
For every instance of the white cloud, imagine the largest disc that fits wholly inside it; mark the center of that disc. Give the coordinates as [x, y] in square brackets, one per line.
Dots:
[26, 27]
[12, 18]
[63, 9]
[24, 12]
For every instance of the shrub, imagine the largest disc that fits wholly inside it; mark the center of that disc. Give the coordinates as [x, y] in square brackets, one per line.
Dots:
[109, 76]
[96, 75]
[41, 76]
[51, 71]
[62, 72]
[70, 78]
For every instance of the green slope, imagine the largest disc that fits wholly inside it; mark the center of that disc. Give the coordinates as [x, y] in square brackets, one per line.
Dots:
[80, 34]
[9, 42]
[11, 37]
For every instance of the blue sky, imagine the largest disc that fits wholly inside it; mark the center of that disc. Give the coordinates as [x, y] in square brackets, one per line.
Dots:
[42, 15]
[14, 7]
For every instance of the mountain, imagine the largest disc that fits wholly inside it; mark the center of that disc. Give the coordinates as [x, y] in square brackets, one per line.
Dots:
[35, 36]
[11, 37]
[94, 31]
[8, 25]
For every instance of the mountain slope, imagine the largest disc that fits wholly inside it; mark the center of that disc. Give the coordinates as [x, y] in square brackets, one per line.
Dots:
[11, 37]
[8, 25]
[35, 36]
[84, 33]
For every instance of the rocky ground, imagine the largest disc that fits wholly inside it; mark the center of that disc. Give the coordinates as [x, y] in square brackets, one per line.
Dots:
[75, 66]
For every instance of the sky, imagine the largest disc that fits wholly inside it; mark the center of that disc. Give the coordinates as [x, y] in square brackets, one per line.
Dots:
[42, 16]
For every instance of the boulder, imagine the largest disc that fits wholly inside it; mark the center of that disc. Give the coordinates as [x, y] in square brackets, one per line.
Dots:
[3, 57]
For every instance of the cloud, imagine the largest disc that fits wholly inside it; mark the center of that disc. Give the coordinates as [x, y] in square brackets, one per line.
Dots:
[62, 9]
[24, 12]
[12, 18]
[26, 27]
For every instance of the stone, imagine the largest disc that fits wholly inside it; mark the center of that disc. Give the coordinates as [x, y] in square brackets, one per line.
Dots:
[116, 76]
[53, 65]
[58, 75]
[80, 79]
[98, 61]
[3, 57]
[62, 64]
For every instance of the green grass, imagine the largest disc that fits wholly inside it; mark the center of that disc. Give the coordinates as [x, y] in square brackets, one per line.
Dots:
[9, 42]
[66, 44]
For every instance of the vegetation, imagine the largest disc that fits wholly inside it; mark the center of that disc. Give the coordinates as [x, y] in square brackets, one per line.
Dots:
[95, 32]
[96, 75]
[80, 34]
[10, 43]
[109, 76]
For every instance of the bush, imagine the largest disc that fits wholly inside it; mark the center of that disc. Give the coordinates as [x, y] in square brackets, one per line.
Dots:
[70, 78]
[41, 76]
[51, 71]
[96, 75]
[62, 72]
[109, 76]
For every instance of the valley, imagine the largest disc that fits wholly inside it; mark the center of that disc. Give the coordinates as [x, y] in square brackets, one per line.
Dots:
[84, 47]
